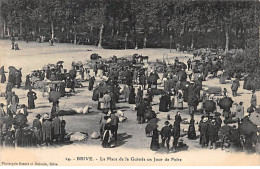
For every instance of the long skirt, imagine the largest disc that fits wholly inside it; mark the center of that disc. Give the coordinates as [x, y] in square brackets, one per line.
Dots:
[192, 132]
[106, 139]
[172, 104]
[154, 144]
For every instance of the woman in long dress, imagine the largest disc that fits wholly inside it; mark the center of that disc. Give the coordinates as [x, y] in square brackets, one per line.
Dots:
[27, 82]
[31, 97]
[131, 99]
[91, 83]
[155, 140]
[2, 74]
[107, 133]
[191, 130]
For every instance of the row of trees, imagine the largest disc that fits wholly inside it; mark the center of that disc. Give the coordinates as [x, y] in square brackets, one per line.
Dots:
[142, 23]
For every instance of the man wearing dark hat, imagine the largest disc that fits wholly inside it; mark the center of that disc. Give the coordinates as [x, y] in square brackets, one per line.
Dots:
[37, 126]
[218, 120]
[253, 99]
[37, 123]
[46, 129]
[114, 124]
[212, 134]
[166, 134]
[203, 129]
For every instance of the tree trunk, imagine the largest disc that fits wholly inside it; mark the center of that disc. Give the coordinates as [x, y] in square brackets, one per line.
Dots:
[112, 32]
[126, 40]
[227, 37]
[52, 30]
[8, 31]
[145, 41]
[91, 30]
[4, 29]
[100, 36]
[75, 38]
[21, 28]
[192, 41]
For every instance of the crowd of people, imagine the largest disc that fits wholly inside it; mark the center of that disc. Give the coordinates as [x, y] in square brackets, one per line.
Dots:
[112, 78]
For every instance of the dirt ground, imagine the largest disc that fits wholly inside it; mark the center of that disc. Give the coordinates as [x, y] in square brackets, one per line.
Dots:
[34, 56]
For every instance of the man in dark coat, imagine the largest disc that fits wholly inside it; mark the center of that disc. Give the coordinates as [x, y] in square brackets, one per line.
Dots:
[37, 123]
[141, 109]
[129, 77]
[176, 131]
[114, 124]
[253, 100]
[193, 102]
[234, 87]
[132, 95]
[91, 83]
[10, 137]
[212, 134]
[48, 72]
[46, 130]
[18, 78]
[56, 124]
[142, 80]
[203, 129]
[166, 134]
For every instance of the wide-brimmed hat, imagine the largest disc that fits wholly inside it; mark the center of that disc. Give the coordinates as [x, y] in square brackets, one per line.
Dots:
[205, 119]
[46, 116]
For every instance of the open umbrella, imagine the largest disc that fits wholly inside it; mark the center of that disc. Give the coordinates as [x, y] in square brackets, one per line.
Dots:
[150, 114]
[151, 125]
[102, 89]
[54, 96]
[255, 118]
[20, 119]
[59, 62]
[209, 106]
[73, 73]
[247, 127]
[225, 103]
[12, 69]
[182, 75]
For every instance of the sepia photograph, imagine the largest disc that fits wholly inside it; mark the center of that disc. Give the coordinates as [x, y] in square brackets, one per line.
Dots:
[129, 83]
